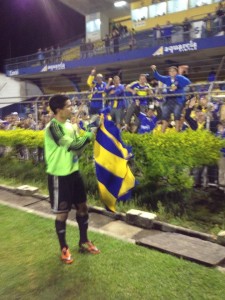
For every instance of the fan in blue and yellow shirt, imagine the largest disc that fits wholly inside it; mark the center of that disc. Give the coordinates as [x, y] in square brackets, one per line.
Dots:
[141, 91]
[97, 86]
[115, 94]
[175, 99]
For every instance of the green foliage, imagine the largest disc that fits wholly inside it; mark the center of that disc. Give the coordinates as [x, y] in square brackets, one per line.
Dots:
[170, 156]
[161, 164]
[28, 138]
[87, 169]
[163, 161]
[23, 172]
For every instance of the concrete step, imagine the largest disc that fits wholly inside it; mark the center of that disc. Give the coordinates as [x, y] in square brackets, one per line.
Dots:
[187, 247]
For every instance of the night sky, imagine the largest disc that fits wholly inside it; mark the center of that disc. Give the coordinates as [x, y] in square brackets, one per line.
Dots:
[26, 25]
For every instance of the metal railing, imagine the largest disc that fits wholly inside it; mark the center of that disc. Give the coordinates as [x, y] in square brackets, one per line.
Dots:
[128, 42]
[158, 94]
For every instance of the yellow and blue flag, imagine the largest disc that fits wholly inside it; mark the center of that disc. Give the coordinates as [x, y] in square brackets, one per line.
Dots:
[115, 179]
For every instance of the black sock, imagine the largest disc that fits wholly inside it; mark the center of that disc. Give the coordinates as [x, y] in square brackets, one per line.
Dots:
[83, 227]
[61, 232]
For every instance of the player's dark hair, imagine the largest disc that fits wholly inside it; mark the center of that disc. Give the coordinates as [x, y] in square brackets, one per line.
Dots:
[57, 102]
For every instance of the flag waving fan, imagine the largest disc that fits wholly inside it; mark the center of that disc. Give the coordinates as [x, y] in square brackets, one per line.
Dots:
[115, 179]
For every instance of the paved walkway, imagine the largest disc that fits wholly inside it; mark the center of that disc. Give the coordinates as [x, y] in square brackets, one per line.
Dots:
[194, 249]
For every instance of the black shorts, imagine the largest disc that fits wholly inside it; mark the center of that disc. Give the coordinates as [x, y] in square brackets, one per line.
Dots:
[66, 192]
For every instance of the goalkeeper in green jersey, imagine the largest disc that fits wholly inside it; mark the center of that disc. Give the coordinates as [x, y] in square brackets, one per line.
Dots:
[66, 187]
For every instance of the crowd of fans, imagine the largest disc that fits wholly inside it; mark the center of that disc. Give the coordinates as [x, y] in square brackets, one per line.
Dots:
[156, 96]
[49, 56]
[213, 24]
[147, 105]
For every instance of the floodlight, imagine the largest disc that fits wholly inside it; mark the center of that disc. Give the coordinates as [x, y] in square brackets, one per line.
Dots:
[120, 3]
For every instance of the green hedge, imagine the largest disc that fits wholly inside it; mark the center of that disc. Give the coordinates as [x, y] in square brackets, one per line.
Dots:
[170, 156]
[161, 164]
[28, 138]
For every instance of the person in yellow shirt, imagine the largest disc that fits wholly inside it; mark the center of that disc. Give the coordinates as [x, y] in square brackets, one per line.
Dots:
[97, 87]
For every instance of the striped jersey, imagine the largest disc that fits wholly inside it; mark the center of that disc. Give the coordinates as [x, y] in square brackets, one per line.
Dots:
[142, 91]
[98, 90]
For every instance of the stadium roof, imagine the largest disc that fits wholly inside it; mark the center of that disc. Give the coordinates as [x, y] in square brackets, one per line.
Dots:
[13, 90]
[86, 7]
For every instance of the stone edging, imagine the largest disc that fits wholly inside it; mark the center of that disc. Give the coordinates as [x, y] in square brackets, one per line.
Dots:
[147, 221]
[138, 218]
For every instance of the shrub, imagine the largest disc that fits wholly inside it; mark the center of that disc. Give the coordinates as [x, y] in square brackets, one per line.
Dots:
[161, 164]
[28, 138]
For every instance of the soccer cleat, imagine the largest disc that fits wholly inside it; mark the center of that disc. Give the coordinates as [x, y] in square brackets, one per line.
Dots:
[88, 247]
[66, 256]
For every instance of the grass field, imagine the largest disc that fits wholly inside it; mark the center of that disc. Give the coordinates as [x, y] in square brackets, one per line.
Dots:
[31, 269]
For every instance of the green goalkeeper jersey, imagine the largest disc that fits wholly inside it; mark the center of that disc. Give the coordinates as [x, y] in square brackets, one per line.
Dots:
[62, 147]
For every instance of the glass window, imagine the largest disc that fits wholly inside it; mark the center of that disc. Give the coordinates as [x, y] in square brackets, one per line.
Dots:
[177, 5]
[93, 25]
[196, 3]
[139, 14]
[158, 9]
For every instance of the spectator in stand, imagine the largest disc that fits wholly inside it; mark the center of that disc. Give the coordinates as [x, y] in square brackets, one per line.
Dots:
[44, 106]
[221, 164]
[58, 55]
[120, 29]
[47, 56]
[208, 25]
[203, 90]
[222, 113]
[132, 41]
[115, 39]
[149, 119]
[199, 120]
[115, 92]
[216, 91]
[15, 116]
[75, 104]
[83, 49]
[27, 109]
[141, 91]
[7, 122]
[205, 104]
[212, 75]
[167, 32]
[115, 26]
[157, 34]
[97, 86]
[220, 17]
[204, 117]
[125, 31]
[90, 48]
[107, 43]
[40, 57]
[174, 104]
[29, 123]
[187, 30]
[52, 55]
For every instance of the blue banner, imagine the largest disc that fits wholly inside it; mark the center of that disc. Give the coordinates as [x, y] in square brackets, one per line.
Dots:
[170, 49]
